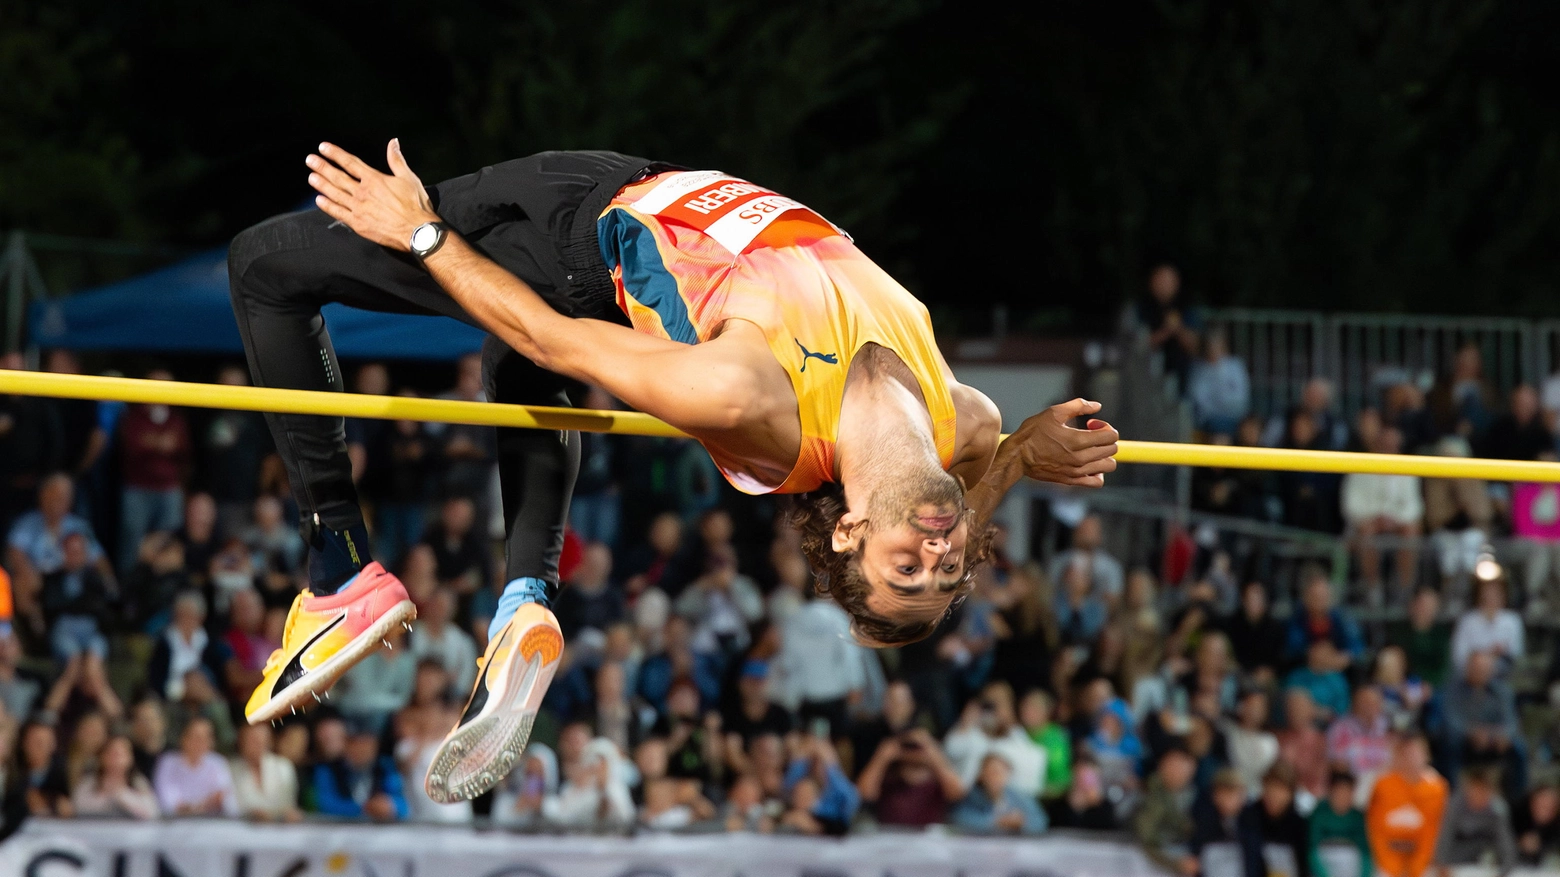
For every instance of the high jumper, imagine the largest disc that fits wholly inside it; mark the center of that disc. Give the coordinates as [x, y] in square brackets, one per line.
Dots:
[731, 312]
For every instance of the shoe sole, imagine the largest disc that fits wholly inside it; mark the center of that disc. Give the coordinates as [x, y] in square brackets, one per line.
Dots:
[294, 697]
[477, 756]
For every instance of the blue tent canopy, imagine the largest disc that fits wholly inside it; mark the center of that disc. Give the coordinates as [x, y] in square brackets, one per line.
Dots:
[184, 308]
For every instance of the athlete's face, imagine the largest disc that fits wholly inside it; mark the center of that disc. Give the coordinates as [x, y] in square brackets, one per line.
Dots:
[910, 545]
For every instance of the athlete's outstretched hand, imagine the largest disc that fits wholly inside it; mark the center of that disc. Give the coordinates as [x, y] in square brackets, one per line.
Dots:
[1050, 450]
[383, 208]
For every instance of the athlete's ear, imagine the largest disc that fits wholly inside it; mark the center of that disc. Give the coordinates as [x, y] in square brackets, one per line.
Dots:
[848, 532]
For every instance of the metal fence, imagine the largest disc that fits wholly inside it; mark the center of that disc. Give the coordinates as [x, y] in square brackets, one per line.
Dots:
[1365, 353]
[1139, 522]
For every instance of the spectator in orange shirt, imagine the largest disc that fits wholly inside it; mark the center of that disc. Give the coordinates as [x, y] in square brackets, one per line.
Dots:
[1406, 807]
[6, 607]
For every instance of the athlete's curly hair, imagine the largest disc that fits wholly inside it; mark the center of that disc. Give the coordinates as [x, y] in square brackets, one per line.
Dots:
[838, 574]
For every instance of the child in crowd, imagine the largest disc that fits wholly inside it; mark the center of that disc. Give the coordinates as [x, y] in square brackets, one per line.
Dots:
[1405, 811]
[1215, 847]
[1338, 823]
[1273, 837]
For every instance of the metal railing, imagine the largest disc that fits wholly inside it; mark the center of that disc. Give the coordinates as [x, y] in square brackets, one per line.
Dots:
[1138, 523]
[1364, 354]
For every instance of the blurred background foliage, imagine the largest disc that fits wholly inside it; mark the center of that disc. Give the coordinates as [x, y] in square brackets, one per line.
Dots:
[1400, 156]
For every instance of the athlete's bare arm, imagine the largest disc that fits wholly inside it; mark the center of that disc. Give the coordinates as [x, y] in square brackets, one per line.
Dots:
[729, 390]
[1045, 448]
[977, 434]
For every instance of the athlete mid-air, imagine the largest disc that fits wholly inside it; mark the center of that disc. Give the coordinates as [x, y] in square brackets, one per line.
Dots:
[725, 309]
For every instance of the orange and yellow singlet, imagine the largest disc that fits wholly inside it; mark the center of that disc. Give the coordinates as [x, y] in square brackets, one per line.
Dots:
[690, 250]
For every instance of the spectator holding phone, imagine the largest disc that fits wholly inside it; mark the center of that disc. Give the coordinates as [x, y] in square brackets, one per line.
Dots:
[517, 802]
[989, 724]
[817, 764]
[910, 781]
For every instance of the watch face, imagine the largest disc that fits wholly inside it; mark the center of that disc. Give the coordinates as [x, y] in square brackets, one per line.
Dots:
[424, 237]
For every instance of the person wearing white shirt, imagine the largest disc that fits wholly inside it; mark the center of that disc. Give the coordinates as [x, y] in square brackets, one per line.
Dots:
[1488, 627]
[1252, 747]
[989, 726]
[1384, 505]
[265, 785]
[1549, 400]
[720, 604]
[594, 794]
[820, 663]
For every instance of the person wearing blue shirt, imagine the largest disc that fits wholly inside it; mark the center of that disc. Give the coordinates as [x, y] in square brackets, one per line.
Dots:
[994, 807]
[1219, 387]
[838, 799]
[35, 545]
[1327, 685]
[361, 783]
[1080, 613]
[1114, 737]
[1319, 621]
[659, 671]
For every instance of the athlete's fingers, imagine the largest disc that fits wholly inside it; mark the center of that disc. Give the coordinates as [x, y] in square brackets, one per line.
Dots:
[343, 180]
[349, 162]
[332, 209]
[1089, 455]
[1088, 481]
[397, 161]
[1101, 430]
[1097, 467]
[329, 190]
[1079, 439]
[331, 155]
[1087, 470]
[1075, 408]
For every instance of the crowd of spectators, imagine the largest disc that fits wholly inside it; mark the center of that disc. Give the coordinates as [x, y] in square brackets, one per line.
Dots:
[705, 687]
[1404, 531]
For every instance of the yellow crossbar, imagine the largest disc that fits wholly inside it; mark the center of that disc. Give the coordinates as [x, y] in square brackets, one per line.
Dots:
[192, 395]
[27, 383]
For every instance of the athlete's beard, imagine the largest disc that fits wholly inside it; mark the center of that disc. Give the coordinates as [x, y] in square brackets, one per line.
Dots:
[901, 495]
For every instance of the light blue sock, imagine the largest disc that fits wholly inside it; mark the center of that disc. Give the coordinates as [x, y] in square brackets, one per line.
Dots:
[516, 594]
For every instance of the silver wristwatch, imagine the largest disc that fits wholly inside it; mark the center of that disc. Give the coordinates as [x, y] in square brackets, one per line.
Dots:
[428, 238]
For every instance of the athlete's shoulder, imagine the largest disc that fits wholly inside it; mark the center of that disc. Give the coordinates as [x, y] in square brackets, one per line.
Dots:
[971, 403]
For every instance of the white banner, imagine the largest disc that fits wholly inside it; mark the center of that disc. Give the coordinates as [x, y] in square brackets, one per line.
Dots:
[217, 848]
